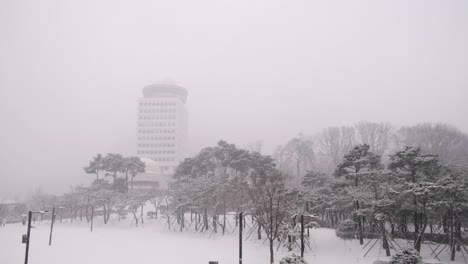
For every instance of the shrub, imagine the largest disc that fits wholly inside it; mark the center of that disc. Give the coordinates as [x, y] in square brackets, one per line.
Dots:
[346, 229]
[293, 259]
[406, 256]
[347, 225]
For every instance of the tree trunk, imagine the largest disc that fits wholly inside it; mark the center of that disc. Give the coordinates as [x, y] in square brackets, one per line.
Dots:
[224, 222]
[272, 259]
[156, 206]
[105, 214]
[416, 225]
[205, 216]
[168, 221]
[135, 216]
[215, 226]
[458, 232]
[419, 237]
[360, 227]
[142, 215]
[259, 231]
[182, 222]
[384, 239]
[452, 236]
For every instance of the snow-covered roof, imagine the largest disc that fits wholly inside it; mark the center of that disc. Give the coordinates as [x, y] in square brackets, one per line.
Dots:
[7, 201]
[150, 165]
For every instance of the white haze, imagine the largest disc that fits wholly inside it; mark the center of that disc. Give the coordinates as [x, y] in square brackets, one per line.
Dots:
[71, 73]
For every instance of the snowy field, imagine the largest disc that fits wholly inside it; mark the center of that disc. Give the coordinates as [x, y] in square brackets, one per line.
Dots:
[118, 243]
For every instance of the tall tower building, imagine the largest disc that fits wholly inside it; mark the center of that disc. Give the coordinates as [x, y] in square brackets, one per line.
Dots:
[162, 126]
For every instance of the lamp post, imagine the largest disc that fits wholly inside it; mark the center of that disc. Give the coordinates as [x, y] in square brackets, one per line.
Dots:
[26, 238]
[240, 236]
[302, 235]
[52, 220]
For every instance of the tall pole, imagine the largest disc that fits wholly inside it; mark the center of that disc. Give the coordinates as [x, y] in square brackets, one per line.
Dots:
[240, 237]
[307, 210]
[302, 236]
[92, 217]
[52, 225]
[27, 239]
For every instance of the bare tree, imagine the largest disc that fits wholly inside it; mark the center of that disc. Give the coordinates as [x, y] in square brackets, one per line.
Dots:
[335, 142]
[255, 146]
[378, 136]
[272, 205]
[281, 159]
[296, 157]
[449, 143]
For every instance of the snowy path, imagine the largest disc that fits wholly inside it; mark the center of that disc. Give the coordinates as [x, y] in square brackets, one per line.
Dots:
[121, 244]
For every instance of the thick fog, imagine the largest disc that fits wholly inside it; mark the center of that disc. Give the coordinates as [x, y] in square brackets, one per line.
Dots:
[71, 73]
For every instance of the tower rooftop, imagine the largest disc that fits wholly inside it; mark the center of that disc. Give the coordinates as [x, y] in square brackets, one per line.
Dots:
[165, 90]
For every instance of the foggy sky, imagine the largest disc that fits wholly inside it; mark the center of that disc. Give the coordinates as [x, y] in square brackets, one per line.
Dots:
[71, 73]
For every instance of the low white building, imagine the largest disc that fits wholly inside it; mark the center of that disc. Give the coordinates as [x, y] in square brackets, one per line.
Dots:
[152, 178]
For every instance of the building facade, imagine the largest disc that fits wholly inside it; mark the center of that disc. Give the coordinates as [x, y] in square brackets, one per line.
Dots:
[162, 126]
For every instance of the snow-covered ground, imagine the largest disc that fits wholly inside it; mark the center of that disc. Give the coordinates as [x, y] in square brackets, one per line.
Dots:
[119, 243]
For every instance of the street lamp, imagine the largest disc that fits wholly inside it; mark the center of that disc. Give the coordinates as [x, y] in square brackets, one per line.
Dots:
[26, 238]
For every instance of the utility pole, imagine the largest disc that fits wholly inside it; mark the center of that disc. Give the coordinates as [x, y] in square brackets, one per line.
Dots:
[240, 237]
[52, 225]
[308, 215]
[27, 238]
[302, 235]
[92, 217]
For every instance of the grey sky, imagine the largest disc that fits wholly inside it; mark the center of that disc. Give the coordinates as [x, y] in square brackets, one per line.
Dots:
[71, 73]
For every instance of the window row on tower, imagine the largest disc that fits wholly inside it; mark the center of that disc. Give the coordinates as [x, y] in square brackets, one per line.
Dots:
[158, 110]
[156, 152]
[158, 131]
[163, 159]
[157, 103]
[152, 117]
[157, 138]
[159, 145]
[157, 124]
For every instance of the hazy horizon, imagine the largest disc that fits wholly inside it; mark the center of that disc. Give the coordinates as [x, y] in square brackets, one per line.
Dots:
[71, 73]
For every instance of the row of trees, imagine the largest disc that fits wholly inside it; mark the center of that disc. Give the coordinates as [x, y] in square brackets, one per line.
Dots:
[103, 199]
[225, 178]
[415, 191]
[407, 181]
[116, 166]
[326, 150]
[404, 197]
[110, 193]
